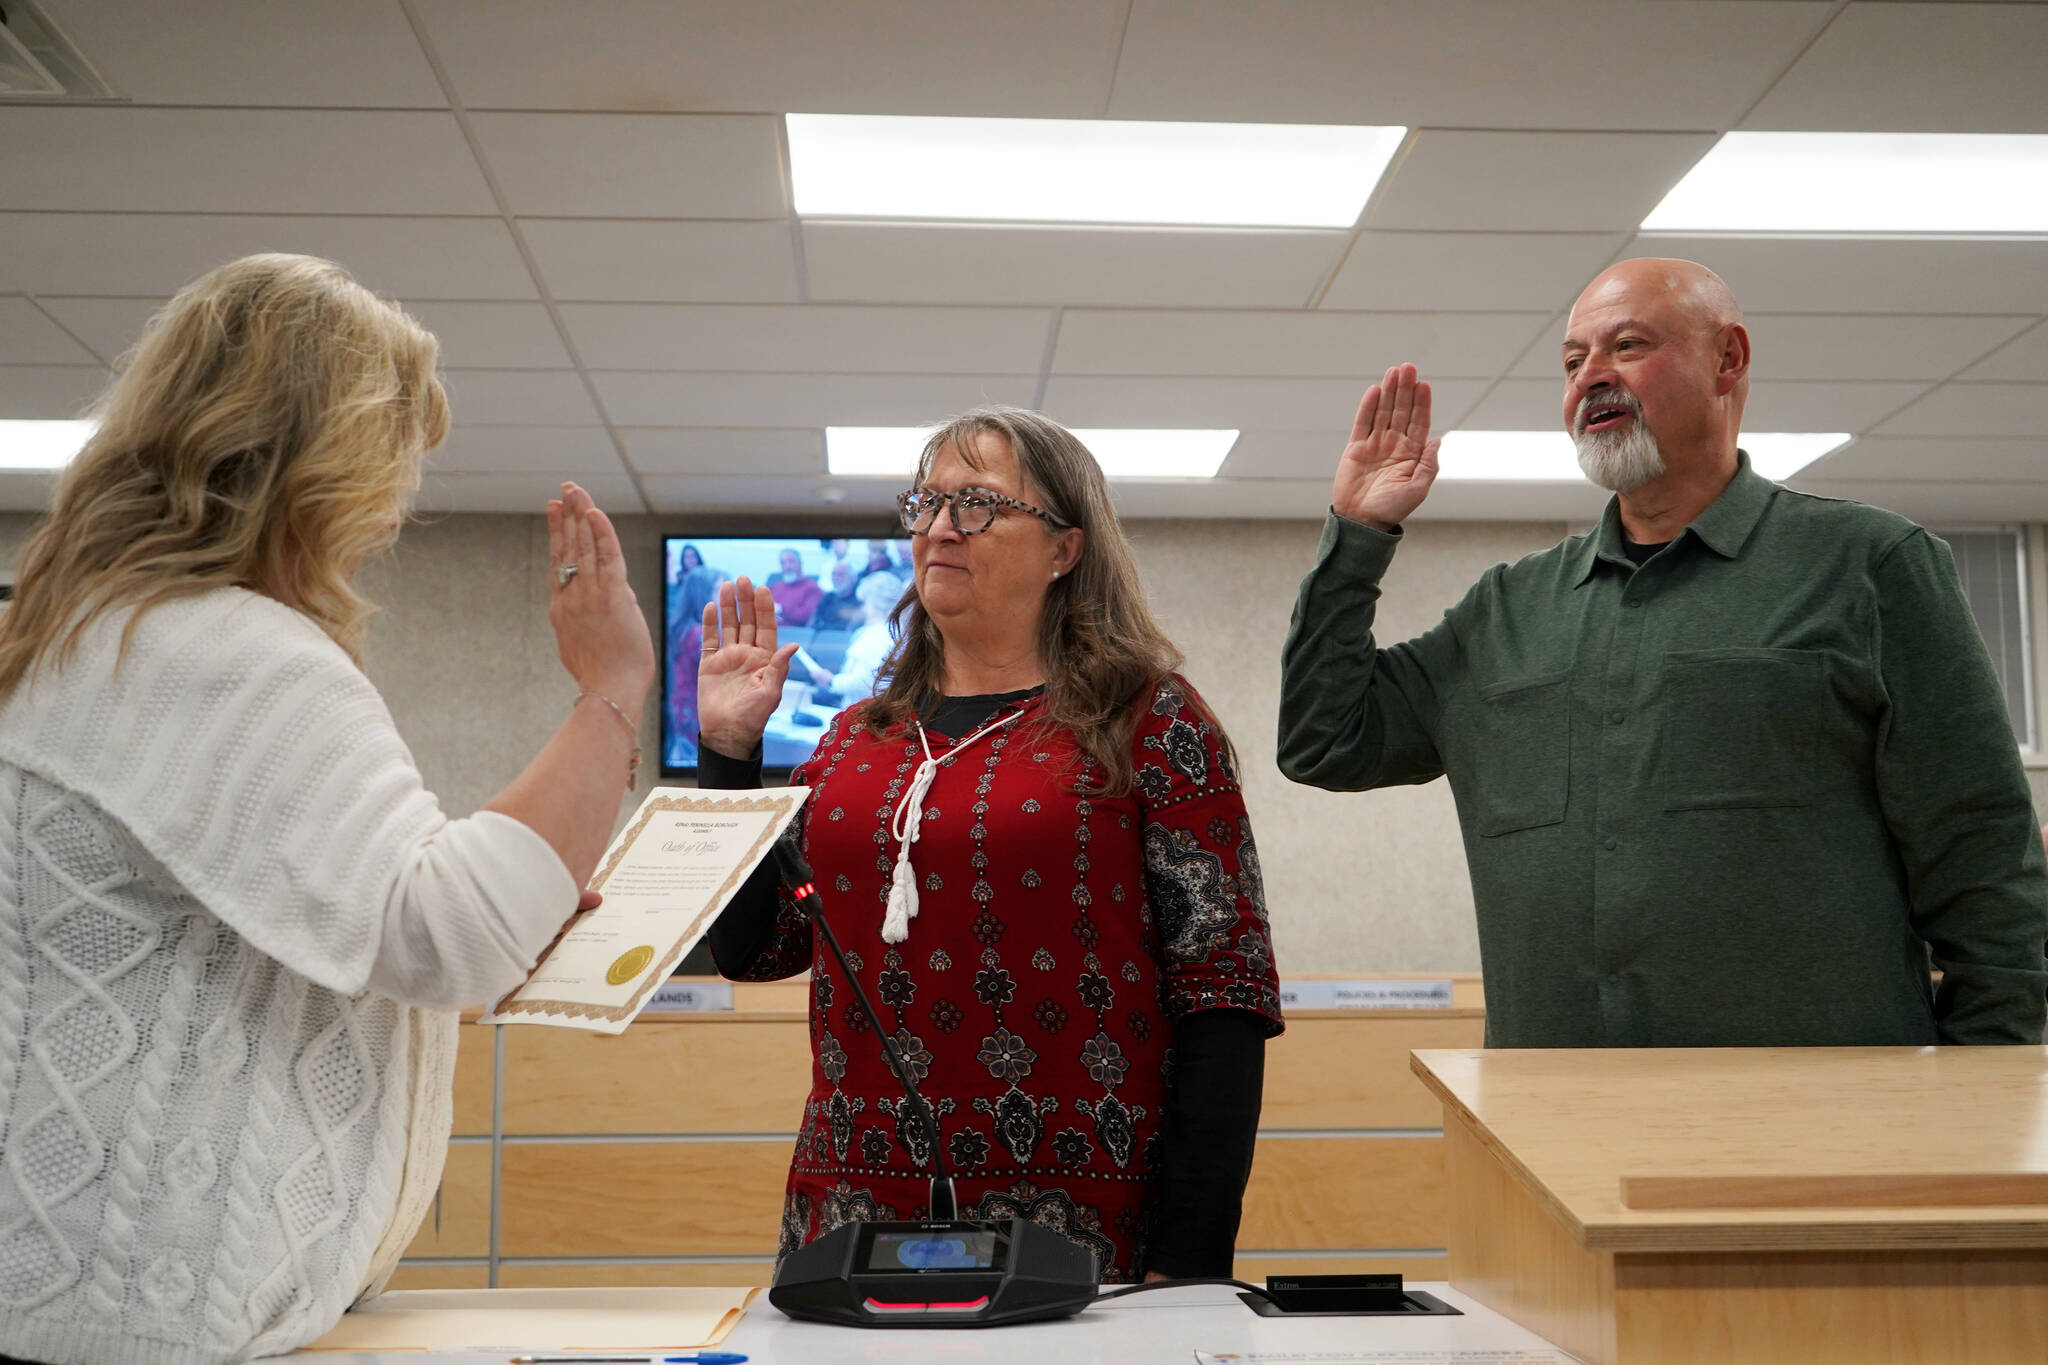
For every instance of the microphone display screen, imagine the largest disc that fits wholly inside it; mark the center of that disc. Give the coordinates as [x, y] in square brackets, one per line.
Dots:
[888, 1251]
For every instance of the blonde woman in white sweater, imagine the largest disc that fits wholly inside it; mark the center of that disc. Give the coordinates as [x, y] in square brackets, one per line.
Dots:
[234, 926]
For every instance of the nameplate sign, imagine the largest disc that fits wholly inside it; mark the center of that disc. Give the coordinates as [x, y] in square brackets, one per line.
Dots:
[698, 996]
[1365, 995]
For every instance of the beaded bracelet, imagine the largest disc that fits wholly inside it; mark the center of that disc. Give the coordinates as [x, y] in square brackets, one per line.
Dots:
[632, 767]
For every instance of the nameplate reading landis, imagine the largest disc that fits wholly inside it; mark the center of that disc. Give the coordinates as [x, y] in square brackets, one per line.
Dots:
[664, 881]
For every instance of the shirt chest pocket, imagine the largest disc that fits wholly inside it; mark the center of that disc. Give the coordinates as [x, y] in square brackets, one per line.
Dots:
[1739, 728]
[1525, 734]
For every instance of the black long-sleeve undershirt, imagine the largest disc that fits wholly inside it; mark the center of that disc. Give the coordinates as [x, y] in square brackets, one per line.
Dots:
[1218, 1061]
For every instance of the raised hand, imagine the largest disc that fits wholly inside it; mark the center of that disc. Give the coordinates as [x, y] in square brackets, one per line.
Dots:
[600, 634]
[1387, 469]
[740, 674]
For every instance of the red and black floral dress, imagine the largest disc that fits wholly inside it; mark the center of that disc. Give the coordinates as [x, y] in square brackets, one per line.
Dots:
[1059, 940]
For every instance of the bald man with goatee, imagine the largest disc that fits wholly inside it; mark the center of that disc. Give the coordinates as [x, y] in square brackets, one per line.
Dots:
[1733, 767]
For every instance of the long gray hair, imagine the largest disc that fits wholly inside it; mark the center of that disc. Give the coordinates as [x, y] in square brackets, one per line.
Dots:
[1098, 644]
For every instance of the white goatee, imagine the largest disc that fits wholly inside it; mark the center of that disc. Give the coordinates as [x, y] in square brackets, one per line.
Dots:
[1619, 461]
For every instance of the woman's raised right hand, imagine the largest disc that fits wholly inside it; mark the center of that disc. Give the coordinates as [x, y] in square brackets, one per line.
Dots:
[741, 672]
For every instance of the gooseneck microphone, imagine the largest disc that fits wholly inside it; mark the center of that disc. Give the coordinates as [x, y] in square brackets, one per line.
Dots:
[939, 1272]
[802, 886]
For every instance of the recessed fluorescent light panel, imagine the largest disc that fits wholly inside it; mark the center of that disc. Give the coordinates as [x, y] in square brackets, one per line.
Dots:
[1550, 456]
[1085, 170]
[1863, 182]
[1123, 452]
[41, 445]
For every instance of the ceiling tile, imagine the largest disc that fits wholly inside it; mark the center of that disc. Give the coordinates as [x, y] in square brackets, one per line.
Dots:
[1298, 344]
[1470, 270]
[1047, 59]
[1834, 346]
[1918, 68]
[1537, 182]
[229, 52]
[49, 392]
[854, 502]
[108, 158]
[817, 338]
[1319, 405]
[1451, 63]
[687, 262]
[519, 398]
[23, 490]
[2025, 360]
[1933, 459]
[522, 493]
[108, 326]
[640, 399]
[483, 336]
[27, 337]
[158, 254]
[1138, 268]
[558, 452]
[1286, 455]
[1537, 405]
[1868, 275]
[494, 336]
[1977, 410]
[636, 165]
[757, 451]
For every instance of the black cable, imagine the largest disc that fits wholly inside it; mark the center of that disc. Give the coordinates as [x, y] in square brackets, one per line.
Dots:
[803, 889]
[1181, 1284]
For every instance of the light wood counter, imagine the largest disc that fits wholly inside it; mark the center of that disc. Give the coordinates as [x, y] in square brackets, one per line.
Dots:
[688, 1119]
[1859, 1205]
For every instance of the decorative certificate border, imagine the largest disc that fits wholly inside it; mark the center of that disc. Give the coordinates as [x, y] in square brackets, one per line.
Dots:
[781, 802]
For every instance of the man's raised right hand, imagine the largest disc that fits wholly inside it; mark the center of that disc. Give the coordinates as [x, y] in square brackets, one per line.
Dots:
[1387, 469]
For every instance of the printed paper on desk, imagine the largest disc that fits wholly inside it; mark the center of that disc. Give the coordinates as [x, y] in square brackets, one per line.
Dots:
[664, 880]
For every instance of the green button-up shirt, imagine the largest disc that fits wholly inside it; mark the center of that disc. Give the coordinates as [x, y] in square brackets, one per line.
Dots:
[1736, 796]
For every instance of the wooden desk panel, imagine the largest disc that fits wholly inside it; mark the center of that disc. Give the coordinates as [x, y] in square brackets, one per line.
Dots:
[1344, 1192]
[641, 1198]
[465, 1223]
[1329, 1071]
[693, 1074]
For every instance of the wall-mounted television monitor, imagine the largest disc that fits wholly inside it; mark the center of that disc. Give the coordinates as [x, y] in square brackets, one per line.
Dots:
[833, 598]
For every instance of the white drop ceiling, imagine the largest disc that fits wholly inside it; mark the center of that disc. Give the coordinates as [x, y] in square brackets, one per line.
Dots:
[589, 204]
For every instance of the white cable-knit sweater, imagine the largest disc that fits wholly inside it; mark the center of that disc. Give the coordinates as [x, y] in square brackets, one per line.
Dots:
[232, 926]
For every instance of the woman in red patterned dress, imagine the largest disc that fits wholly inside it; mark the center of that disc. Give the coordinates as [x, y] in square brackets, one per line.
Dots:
[1033, 845]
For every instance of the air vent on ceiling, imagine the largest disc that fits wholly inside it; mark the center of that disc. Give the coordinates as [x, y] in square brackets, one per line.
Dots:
[37, 62]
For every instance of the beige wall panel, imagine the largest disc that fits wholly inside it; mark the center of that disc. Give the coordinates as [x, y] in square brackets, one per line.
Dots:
[474, 1061]
[409, 1276]
[641, 1198]
[1344, 1192]
[634, 1273]
[698, 1074]
[465, 1207]
[1353, 1073]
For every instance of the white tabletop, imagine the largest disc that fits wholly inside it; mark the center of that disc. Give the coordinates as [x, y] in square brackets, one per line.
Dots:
[1166, 1327]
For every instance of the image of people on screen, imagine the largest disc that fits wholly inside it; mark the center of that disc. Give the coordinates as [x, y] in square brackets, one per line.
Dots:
[833, 599]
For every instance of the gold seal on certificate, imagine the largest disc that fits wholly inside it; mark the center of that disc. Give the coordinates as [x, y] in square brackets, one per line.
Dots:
[631, 963]
[664, 880]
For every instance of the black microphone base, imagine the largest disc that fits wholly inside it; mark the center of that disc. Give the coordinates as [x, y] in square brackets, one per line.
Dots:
[945, 1274]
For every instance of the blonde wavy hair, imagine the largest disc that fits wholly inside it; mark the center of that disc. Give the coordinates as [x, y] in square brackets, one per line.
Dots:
[265, 433]
[1098, 643]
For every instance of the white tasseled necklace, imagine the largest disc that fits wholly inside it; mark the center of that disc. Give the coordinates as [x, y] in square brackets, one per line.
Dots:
[909, 817]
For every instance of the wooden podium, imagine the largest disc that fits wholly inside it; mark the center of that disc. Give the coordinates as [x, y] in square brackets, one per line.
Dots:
[1754, 1206]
